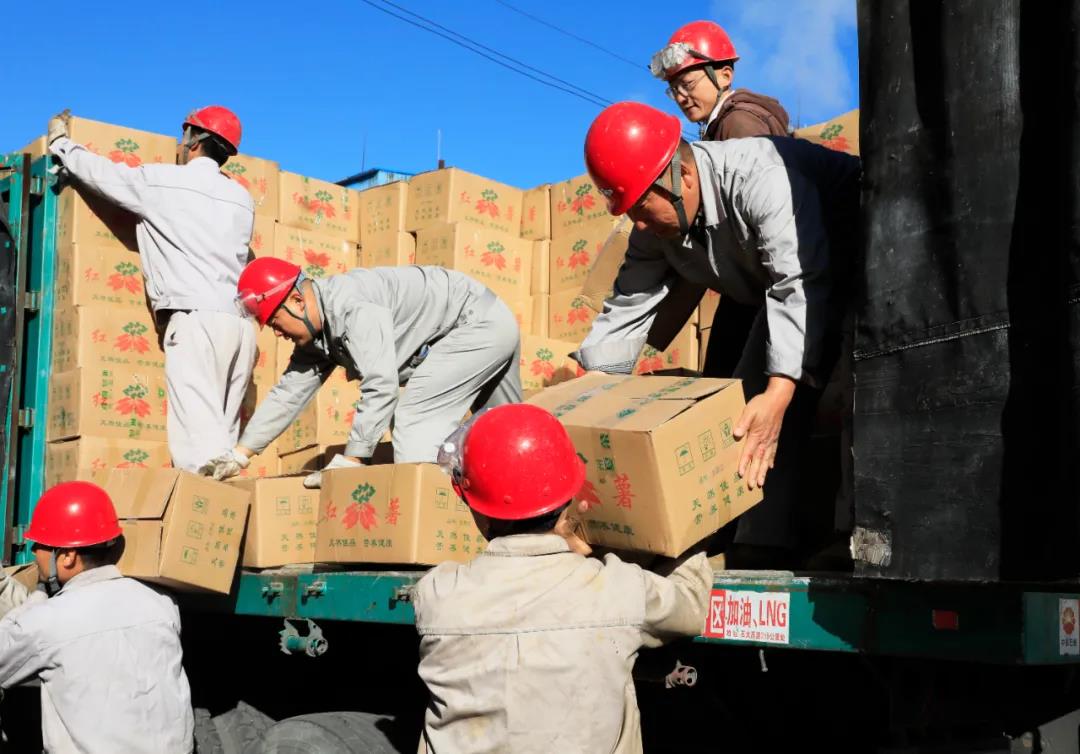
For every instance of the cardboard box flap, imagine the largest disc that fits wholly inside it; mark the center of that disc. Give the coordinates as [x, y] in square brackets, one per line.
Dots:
[141, 493]
[673, 388]
[640, 416]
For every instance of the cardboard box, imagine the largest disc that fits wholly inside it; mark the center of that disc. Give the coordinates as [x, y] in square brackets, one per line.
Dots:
[335, 407]
[86, 219]
[303, 461]
[105, 336]
[572, 256]
[266, 464]
[523, 313]
[703, 347]
[661, 459]
[569, 317]
[541, 268]
[25, 573]
[318, 254]
[382, 209]
[452, 195]
[388, 250]
[36, 147]
[546, 362]
[260, 178]
[281, 527]
[76, 459]
[88, 275]
[600, 280]
[266, 372]
[399, 513]
[181, 529]
[707, 309]
[681, 354]
[841, 133]
[575, 202]
[262, 236]
[107, 402]
[128, 146]
[319, 205]
[541, 315]
[500, 261]
[536, 213]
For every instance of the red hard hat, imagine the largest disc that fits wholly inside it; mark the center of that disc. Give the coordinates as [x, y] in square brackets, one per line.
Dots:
[264, 285]
[218, 120]
[518, 462]
[73, 514]
[627, 148]
[696, 43]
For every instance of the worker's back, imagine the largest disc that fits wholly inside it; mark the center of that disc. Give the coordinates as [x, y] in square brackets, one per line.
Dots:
[529, 648]
[107, 652]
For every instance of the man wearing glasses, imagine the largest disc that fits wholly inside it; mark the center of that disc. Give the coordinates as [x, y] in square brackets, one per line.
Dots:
[770, 222]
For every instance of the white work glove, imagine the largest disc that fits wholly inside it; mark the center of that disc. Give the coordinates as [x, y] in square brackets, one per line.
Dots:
[313, 481]
[58, 126]
[226, 465]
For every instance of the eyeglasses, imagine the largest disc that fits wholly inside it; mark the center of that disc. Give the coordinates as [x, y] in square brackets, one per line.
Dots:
[683, 87]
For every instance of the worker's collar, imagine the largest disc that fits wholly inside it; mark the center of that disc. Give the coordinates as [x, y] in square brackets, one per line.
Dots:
[204, 163]
[703, 128]
[525, 545]
[92, 575]
[711, 213]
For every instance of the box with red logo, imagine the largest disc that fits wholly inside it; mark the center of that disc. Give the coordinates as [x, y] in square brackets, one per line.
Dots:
[541, 268]
[569, 316]
[661, 459]
[89, 458]
[546, 362]
[317, 254]
[500, 261]
[107, 401]
[682, 353]
[98, 275]
[453, 196]
[574, 203]
[104, 336]
[395, 513]
[536, 213]
[319, 205]
[573, 255]
[260, 178]
[262, 236]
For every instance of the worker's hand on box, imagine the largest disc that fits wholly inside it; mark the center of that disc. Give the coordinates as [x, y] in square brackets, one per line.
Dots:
[58, 126]
[760, 426]
[226, 465]
[313, 481]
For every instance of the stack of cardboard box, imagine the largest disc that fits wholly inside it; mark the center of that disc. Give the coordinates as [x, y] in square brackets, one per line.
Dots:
[107, 397]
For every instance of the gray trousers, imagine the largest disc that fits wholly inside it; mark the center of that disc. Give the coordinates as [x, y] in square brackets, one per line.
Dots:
[209, 358]
[475, 366]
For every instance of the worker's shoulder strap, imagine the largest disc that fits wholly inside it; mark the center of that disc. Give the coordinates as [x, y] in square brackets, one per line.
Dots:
[766, 109]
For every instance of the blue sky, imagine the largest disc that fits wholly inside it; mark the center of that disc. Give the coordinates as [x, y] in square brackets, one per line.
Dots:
[315, 82]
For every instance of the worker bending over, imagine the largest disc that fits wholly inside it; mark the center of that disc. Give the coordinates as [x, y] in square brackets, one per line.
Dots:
[451, 342]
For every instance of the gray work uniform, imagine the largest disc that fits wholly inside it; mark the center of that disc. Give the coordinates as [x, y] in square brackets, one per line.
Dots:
[193, 230]
[529, 648]
[106, 650]
[776, 227]
[450, 341]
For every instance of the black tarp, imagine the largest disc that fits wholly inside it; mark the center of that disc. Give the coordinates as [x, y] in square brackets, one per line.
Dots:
[967, 344]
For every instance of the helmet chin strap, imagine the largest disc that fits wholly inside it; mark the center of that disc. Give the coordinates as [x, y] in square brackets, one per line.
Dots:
[303, 317]
[189, 141]
[52, 585]
[676, 192]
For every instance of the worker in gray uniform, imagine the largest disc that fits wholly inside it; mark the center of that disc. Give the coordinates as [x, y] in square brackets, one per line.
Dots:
[451, 342]
[766, 220]
[193, 227]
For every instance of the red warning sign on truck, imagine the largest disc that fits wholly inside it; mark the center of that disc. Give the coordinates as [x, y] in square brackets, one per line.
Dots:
[763, 617]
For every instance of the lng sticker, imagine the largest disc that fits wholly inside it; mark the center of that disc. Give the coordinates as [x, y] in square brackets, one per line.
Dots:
[1068, 631]
[761, 617]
